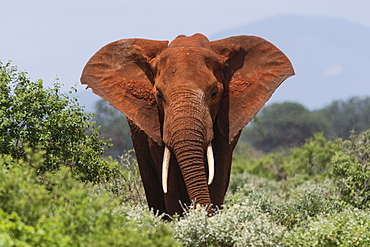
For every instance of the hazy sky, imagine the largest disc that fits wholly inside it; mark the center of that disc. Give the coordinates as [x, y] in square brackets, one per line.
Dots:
[52, 38]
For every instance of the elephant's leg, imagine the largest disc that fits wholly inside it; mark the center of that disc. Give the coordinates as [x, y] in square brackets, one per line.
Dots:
[149, 174]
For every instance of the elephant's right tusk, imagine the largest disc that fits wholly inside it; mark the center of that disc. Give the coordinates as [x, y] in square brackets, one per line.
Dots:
[165, 167]
[211, 164]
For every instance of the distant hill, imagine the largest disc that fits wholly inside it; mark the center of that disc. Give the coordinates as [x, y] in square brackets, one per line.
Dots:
[331, 56]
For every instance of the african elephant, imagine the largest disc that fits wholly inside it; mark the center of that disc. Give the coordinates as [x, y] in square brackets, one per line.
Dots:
[186, 103]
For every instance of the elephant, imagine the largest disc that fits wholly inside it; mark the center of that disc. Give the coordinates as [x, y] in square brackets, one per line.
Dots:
[186, 103]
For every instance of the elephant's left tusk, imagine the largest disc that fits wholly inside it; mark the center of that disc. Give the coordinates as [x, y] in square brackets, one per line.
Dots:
[165, 167]
[211, 164]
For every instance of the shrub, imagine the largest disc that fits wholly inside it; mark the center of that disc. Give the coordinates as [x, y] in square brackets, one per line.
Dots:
[313, 158]
[57, 210]
[126, 185]
[236, 225]
[49, 120]
[287, 206]
[300, 205]
[268, 166]
[351, 170]
[348, 228]
[245, 183]
[310, 160]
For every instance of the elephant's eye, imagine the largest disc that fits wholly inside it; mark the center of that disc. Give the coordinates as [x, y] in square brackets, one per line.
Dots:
[159, 96]
[214, 95]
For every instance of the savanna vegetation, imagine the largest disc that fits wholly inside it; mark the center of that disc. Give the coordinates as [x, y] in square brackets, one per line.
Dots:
[302, 179]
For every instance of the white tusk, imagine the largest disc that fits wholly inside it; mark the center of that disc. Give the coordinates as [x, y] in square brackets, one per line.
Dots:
[211, 164]
[165, 167]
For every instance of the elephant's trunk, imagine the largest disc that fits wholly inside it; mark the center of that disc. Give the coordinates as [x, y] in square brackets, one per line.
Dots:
[166, 166]
[189, 148]
[188, 131]
[190, 156]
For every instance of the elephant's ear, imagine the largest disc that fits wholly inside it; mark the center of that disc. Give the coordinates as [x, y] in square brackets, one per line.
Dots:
[121, 74]
[254, 68]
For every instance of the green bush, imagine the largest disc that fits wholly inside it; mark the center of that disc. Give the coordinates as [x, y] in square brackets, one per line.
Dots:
[268, 166]
[243, 182]
[126, 185]
[313, 158]
[302, 204]
[49, 120]
[236, 225]
[288, 206]
[348, 228]
[310, 160]
[351, 170]
[57, 210]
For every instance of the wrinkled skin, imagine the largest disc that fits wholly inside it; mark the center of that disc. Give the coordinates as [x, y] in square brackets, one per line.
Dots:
[185, 96]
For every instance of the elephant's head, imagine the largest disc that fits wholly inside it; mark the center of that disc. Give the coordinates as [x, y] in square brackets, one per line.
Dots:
[177, 93]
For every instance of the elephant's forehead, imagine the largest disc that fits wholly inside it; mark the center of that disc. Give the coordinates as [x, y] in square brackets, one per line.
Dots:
[187, 56]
